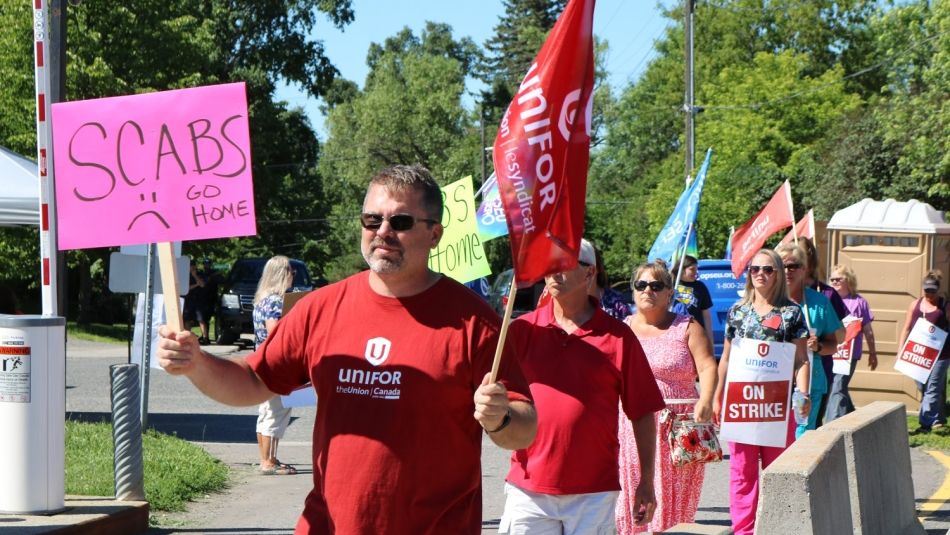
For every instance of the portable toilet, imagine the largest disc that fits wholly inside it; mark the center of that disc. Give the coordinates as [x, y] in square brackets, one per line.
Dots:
[891, 246]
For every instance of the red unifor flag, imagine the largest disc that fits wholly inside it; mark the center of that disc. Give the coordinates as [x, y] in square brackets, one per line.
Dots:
[805, 228]
[543, 148]
[750, 237]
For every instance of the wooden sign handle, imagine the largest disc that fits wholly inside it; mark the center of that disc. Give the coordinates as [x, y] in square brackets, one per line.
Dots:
[166, 266]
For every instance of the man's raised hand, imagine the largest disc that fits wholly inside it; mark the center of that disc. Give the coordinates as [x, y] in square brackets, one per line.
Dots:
[178, 352]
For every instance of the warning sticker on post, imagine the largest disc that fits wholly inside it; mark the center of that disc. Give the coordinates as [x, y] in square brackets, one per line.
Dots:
[757, 394]
[14, 371]
[921, 350]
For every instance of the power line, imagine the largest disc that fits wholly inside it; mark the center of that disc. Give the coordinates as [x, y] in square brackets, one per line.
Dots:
[619, 5]
[637, 37]
[650, 54]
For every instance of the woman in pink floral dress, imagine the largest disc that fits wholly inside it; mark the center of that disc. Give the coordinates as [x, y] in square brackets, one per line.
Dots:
[678, 351]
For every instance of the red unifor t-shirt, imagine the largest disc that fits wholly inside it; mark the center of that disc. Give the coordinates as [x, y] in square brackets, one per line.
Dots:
[577, 381]
[396, 448]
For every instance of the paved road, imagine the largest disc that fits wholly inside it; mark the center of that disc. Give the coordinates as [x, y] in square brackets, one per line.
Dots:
[271, 504]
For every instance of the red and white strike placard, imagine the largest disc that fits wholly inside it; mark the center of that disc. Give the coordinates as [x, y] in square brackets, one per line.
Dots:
[758, 392]
[841, 363]
[920, 350]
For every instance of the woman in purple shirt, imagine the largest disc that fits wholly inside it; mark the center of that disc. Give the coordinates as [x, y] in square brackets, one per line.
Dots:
[846, 285]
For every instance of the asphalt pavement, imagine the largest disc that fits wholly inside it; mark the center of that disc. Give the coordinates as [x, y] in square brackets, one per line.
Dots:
[258, 504]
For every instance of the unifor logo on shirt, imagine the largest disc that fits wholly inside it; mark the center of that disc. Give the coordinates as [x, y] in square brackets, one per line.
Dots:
[377, 350]
[373, 383]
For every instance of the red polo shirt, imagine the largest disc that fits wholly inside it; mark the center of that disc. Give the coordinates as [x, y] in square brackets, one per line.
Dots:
[578, 380]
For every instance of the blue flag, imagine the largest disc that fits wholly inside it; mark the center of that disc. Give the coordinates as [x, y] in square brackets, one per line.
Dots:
[491, 213]
[673, 235]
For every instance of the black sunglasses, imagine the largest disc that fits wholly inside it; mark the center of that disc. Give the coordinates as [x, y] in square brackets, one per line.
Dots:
[398, 222]
[768, 270]
[930, 290]
[835, 279]
[792, 266]
[656, 286]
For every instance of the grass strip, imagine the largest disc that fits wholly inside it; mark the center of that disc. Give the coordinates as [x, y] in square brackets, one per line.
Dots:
[99, 332]
[111, 334]
[938, 439]
[176, 471]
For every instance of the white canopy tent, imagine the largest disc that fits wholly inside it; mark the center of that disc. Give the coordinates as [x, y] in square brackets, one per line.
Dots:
[19, 190]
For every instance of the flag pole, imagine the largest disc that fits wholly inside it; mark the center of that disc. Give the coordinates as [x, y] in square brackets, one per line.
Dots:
[729, 244]
[509, 307]
[791, 208]
[679, 268]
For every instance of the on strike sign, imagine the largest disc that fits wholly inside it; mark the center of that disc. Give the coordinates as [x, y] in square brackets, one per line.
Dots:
[920, 351]
[842, 358]
[758, 392]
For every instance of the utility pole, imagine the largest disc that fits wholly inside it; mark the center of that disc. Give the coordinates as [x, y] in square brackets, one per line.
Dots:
[57, 60]
[688, 105]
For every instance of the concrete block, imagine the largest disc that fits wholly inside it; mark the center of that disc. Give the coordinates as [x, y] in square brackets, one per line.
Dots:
[84, 515]
[686, 528]
[879, 468]
[805, 490]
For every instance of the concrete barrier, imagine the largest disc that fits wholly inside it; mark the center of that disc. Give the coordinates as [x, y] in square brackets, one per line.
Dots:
[878, 468]
[805, 490]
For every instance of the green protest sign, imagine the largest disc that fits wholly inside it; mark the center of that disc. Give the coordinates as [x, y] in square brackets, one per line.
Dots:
[460, 253]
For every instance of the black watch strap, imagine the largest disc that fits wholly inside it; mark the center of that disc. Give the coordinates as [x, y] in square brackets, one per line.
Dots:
[504, 423]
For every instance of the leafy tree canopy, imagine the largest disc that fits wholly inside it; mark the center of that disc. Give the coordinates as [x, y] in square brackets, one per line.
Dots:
[409, 112]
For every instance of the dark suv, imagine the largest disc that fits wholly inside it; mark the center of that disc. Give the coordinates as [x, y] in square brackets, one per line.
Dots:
[237, 300]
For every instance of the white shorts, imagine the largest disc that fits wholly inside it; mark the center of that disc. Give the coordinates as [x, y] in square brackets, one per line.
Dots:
[272, 418]
[532, 513]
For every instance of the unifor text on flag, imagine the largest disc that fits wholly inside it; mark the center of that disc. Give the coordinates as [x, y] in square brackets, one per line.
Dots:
[543, 147]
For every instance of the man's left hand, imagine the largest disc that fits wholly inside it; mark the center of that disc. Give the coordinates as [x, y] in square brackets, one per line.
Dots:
[491, 404]
[644, 502]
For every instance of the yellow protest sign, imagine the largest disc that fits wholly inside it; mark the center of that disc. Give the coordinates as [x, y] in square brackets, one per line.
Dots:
[460, 253]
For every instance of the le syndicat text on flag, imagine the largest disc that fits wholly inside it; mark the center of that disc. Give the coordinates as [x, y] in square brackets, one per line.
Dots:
[542, 149]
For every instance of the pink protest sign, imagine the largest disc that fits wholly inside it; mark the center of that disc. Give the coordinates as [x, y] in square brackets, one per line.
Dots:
[166, 166]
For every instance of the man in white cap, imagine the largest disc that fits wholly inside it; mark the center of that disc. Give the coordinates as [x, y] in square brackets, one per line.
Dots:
[580, 364]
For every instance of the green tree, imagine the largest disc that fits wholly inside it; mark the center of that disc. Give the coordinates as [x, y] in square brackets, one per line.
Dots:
[409, 112]
[518, 37]
[774, 78]
[914, 44]
[850, 163]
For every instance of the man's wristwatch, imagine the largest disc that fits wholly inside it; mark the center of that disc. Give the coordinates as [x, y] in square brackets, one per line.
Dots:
[504, 423]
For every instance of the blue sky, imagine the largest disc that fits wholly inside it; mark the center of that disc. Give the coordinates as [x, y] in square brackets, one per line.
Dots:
[630, 26]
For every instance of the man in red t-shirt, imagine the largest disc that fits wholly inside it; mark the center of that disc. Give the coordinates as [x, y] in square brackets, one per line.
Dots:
[581, 365]
[399, 357]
